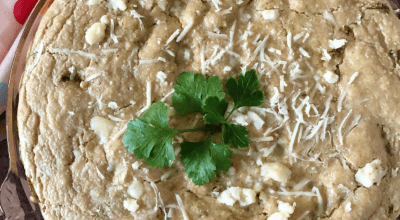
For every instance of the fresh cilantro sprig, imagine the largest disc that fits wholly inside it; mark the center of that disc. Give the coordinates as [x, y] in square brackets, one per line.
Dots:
[150, 137]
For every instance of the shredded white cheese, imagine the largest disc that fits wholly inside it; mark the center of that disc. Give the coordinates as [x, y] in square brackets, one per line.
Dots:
[306, 37]
[172, 54]
[339, 133]
[341, 99]
[292, 140]
[273, 50]
[262, 139]
[256, 120]
[303, 215]
[68, 51]
[100, 174]
[172, 37]
[298, 36]
[112, 35]
[139, 17]
[185, 30]
[319, 197]
[231, 34]
[352, 78]
[202, 59]
[301, 184]
[304, 52]
[226, 11]
[181, 207]
[212, 34]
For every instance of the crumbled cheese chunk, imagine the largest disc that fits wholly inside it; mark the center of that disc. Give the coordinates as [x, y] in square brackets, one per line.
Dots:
[186, 54]
[117, 4]
[394, 172]
[104, 19]
[257, 187]
[336, 44]
[233, 194]
[329, 17]
[136, 165]
[275, 171]
[227, 69]
[348, 207]
[162, 4]
[272, 14]
[131, 205]
[325, 55]
[113, 105]
[331, 77]
[136, 189]
[278, 216]
[285, 207]
[93, 2]
[371, 173]
[95, 33]
[285, 210]
[102, 127]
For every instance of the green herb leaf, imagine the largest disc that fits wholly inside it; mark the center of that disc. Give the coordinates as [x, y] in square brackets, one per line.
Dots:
[214, 110]
[150, 137]
[221, 154]
[202, 159]
[244, 91]
[192, 91]
[237, 135]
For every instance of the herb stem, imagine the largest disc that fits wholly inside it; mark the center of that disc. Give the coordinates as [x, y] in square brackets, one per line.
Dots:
[192, 130]
[213, 129]
[230, 113]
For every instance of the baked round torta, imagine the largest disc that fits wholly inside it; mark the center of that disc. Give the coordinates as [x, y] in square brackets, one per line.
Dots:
[325, 141]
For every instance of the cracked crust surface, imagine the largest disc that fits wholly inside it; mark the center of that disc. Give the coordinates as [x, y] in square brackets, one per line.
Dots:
[75, 177]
